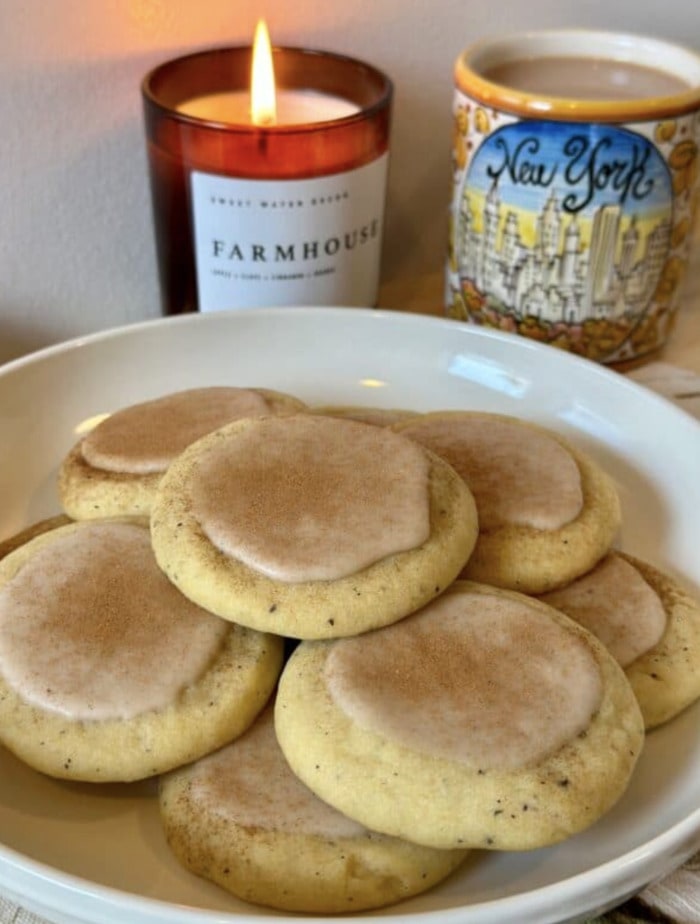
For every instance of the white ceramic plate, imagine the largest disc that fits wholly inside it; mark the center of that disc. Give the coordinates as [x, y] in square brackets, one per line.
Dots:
[79, 854]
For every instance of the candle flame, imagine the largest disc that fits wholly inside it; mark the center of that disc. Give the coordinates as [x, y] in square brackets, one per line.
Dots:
[262, 87]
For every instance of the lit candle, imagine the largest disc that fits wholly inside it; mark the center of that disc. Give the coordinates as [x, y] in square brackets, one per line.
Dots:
[264, 104]
[264, 194]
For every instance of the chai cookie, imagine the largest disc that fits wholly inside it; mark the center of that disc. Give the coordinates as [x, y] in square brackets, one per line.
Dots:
[107, 673]
[115, 468]
[547, 511]
[648, 622]
[310, 526]
[241, 818]
[487, 719]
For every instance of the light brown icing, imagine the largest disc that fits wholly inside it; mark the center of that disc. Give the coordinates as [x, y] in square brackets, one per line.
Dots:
[477, 678]
[90, 627]
[251, 784]
[518, 474]
[616, 604]
[307, 498]
[146, 437]
[379, 416]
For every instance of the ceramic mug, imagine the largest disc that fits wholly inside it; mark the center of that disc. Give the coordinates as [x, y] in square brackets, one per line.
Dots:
[575, 164]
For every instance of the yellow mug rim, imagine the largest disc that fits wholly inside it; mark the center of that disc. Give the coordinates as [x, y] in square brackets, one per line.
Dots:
[560, 108]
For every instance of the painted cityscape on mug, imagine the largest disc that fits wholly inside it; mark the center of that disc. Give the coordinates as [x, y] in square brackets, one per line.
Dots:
[567, 233]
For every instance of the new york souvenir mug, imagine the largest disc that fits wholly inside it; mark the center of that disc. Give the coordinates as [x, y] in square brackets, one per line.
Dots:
[575, 164]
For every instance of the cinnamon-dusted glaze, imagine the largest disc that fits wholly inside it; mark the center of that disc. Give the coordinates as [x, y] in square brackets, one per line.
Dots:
[146, 437]
[90, 628]
[475, 677]
[305, 498]
[519, 475]
[616, 604]
[228, 783]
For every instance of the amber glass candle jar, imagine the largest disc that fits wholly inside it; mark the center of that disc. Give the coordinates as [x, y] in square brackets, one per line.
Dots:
[283, 214]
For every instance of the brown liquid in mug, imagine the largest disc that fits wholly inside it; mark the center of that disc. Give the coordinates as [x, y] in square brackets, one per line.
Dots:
[585, 78]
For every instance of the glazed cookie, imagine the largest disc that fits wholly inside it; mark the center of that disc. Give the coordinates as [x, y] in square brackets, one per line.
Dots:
[310, 526]
[650, 625]
[487, 719]
[114, 470]
[379, 416]
[276, 844]
[107, 673]
[547, 511]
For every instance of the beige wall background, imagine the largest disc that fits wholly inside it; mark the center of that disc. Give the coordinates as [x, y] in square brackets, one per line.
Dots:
[76, 247]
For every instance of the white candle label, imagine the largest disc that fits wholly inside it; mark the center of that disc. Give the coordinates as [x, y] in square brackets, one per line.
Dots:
[289, 242]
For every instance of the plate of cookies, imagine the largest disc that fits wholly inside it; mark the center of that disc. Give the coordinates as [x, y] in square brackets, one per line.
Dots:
[324, 612]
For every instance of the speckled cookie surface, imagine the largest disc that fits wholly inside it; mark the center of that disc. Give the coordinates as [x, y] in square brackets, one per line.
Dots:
[242, 819]
[311, 527]
[505, 722]
[547, 510]
[649, 622]
[107, 673]
[115, 469]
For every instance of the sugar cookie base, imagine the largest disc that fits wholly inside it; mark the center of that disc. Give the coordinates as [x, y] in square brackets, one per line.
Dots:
[443, 803]
[378, 595]
[208, 713]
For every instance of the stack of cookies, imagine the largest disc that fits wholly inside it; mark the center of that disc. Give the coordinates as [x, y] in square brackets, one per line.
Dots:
[353, 647]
